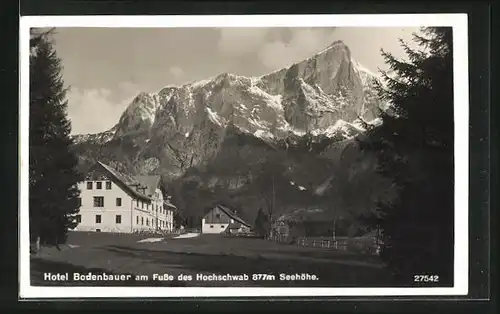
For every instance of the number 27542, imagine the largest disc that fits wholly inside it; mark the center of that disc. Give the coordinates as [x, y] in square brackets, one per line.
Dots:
[425, 278]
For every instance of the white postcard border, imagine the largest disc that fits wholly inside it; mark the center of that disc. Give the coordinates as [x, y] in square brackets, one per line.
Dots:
[461, 116]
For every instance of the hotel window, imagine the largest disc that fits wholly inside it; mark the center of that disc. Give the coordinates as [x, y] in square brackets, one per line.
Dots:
[97, 219]
[137, 220]
[211, 226]
[217, 216]
[98, 185]
[78, 218]
[118, 219]
[142, 221]
[142, 205]
[108, 185]
[79, 202]
[118, 201]
[147, 221]
[137, 203]
[156, 208]
[98, 201]
[89, 185]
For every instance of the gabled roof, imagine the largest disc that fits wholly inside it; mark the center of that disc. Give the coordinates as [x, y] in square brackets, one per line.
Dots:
[151, 182]
[168, 204]
[232, 215]
[148, 184]
[128, 183]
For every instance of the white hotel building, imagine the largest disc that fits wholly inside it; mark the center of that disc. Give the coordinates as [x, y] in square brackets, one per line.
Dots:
[115, 202]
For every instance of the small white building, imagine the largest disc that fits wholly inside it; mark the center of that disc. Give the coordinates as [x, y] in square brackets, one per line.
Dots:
[221, 219]
[111, 201]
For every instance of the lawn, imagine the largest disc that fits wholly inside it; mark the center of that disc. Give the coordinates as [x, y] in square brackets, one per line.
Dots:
[206, 254]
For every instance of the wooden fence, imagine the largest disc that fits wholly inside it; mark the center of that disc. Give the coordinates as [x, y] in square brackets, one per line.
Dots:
[361, 244]
[322, 243]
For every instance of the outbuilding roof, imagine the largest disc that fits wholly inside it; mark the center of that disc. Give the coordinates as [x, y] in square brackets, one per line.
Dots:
[232, 215]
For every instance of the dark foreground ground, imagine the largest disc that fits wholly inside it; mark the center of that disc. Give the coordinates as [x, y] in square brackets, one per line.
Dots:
[206, 254]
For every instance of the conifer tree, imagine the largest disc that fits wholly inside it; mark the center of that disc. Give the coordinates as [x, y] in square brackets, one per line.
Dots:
[414, 148]
[261, 224]
[53, 180]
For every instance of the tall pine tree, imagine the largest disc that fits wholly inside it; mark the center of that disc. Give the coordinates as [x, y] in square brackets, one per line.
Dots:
[414, 147]
[53, 180]
[261, 225]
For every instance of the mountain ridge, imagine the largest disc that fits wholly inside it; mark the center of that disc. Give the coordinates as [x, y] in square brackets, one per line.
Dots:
[326, 96]
[259, 84]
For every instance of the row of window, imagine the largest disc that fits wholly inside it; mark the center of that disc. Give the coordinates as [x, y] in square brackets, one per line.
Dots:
[98, 185]
[118, 220]
[157, 208]
[222, 226]
[99, 202]
[98, 219]
[158, 223]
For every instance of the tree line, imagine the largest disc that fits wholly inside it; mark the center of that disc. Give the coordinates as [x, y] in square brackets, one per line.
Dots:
[53, 174]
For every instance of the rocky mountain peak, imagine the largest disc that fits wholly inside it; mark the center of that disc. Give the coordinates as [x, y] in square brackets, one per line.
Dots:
[337, 44]
[181, 126]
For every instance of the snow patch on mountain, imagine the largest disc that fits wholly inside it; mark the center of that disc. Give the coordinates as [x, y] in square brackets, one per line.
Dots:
[365, 74]
[265, 135]
[341, 127]
[273, 101]
[144, 106]
[214, 117]
[287, 128]
[376, 122]
[318, 101]
[98, 138]
[361, 68]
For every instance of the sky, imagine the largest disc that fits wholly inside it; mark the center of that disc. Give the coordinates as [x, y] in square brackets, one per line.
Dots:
[107, 67]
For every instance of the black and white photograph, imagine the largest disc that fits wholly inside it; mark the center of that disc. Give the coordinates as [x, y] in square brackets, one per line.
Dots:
[324, 154]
